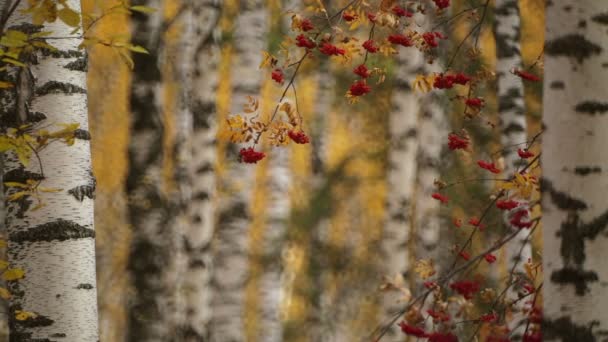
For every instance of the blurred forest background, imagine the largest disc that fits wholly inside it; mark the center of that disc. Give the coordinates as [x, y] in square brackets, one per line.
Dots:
[295, 245]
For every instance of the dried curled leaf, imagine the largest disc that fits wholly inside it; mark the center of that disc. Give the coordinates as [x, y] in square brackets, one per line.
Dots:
[278, 135]
[423, 83]
[425, 268]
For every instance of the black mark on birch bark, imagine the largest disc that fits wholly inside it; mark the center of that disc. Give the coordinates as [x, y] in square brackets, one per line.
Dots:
[566, 330]
[592, 107]
[601, 18]
[587, 170]
[54, 87]
[60, 230]
[557, 85]
[561, 199]
[85, 287]
[82, 191]
[78, 65]
[572, 45]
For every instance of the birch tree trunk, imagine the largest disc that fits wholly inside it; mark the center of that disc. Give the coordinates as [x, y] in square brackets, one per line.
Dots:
[432, 131]
[177, 74]
[229, 275]
[513, 125]
[575, 183]
[197, 239]
[403, 121]
[55, 244]
[151, 312]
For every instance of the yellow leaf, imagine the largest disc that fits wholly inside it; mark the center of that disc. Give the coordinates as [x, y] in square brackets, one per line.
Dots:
[423, 83]
[4, 85]
[69, 16]
[3, 263]
[23, 315]
[13, 274]
[17, 195]
[4, 293]
[16, 185]
[49, 189]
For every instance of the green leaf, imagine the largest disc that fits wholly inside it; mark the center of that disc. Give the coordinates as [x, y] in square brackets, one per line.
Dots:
[138, 49]
[14, 62]
[143, 9]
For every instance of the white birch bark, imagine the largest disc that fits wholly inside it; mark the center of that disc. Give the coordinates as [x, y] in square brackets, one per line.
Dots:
[230, 262]
[151, 315]
[321, 180]
[403, 121]
[178, 75]
[197, 240]
[575, 180]
[511, 108]
[278, 209]
[55, 244]
[432, 128]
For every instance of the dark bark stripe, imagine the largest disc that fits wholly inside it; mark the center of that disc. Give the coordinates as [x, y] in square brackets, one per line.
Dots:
[82, 134]
[62, 53]
[587, 170]
[557, 85]
[82, 191]
[54, 87]
[60, 230]
[601, 18]
[80, 64]
[85, 287]
[562, 200]
[508, 101]
[26, 28]
[578, 277]
[513, 128]
[572, 45]
[202, 114]
[566, 330]
[592, 107]
[21, 175]
[573, 233]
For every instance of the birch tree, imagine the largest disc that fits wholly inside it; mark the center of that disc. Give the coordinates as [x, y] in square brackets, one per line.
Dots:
[432, 130]
[510, 92]
[403, 121]
[574, 187]
[151, 311]
[229, 274]
[54, 244]
[197, 237]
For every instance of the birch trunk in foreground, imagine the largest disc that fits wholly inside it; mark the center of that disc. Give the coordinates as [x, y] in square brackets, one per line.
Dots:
[229, 275]
[55, 244]
[153, 245]
[403, 121]
[575, 179]
[512, 114]
[197, 239]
